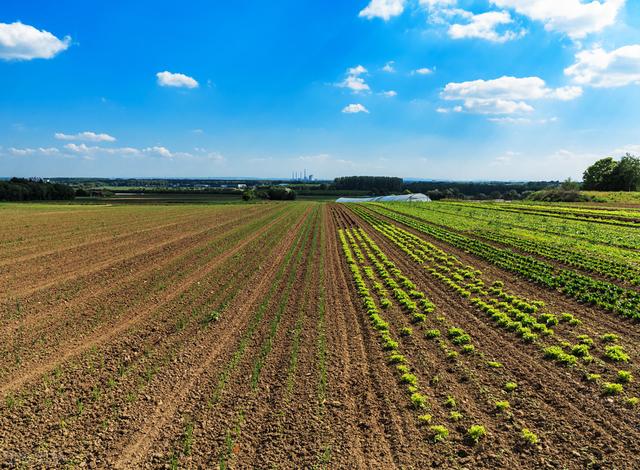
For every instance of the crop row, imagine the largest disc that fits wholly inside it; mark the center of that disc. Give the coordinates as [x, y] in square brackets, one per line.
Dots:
[432, 328]
[293, 262]
[624, 302]
[531, 243]
[602, 238]
[399, 361]
[379, 324]
[507, 310]
[604, 212]
[596, 260]
[570, 214]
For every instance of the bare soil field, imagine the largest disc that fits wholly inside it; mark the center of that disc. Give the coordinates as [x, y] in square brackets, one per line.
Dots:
[294, 335]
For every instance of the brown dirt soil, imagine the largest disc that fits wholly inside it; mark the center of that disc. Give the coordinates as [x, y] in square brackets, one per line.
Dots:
[235, 338]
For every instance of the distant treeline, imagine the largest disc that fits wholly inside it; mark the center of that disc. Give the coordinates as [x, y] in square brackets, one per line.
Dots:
[477, 190]
[20, 189]
[168, 184]
[442, 189]
[376, 184]
[274, 193]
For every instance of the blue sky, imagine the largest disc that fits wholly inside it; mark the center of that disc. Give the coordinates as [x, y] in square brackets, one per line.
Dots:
[445, 89]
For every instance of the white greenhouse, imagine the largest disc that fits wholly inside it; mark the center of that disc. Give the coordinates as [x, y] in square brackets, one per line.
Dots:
[418, 197]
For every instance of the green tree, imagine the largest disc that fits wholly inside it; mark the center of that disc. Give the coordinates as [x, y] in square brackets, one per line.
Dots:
[248, 195]
[599, 176]
[626, 175]
[512, 195]
[281, 193]
[570, 185]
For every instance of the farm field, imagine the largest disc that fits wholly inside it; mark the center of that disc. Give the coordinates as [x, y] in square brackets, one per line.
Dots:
[319, 335]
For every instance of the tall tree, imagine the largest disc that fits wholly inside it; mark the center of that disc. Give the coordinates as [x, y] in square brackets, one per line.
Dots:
[599, 176]
[627, 174]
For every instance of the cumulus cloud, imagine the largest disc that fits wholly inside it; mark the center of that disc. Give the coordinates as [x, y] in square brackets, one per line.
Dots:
[575, 18]
[389, 93]
[354, 81]
[572, 17]
[23, 42]
[177, 80]
[505, 95]
[455, 109]
[24, 152]
[437, 3]
[354, 108]
[602, 69]
[83, 149]
[521, 120]
[385, 9]
[160, 151]
[92, 152]
[422, 71]
[484, 26]
[85, 137]
[388, 67]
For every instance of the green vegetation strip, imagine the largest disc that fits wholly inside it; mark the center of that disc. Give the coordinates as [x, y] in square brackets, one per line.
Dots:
[624, 302]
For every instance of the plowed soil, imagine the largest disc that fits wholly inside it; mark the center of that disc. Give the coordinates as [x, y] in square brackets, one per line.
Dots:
[234, 337]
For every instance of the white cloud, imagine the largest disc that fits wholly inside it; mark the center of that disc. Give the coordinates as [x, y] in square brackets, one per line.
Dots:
[355, 84]
[83, 149]
[160, 151]
[85, 137]
[388, 67]
[505, 95]
[357, 70]
[455, 109]
[24, 152]
[602, 69]
[437, 3]
[384, 9]
[521, 120]
[572, 17]
[483, 26]
[23, 42]
[354, 81]
[422, 71]
[354, 108]
[178, 80]
[389, 94]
